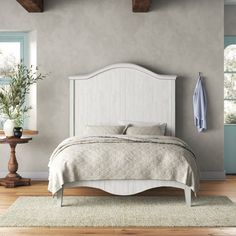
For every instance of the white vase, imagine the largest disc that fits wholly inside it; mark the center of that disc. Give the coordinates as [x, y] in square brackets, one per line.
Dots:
[8, 128]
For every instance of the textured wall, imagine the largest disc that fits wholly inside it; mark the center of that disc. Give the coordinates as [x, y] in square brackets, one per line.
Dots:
[78, 36]
[230, 20]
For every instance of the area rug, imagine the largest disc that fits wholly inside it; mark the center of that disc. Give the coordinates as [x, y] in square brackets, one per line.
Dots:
[120, 212]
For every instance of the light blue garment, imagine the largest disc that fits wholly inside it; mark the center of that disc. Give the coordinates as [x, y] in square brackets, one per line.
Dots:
[200, 106]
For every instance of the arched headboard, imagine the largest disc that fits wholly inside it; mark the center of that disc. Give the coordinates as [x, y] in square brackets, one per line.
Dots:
[121, 92]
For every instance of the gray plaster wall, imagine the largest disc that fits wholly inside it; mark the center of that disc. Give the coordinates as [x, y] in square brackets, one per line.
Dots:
[78, 36]
[230, 20]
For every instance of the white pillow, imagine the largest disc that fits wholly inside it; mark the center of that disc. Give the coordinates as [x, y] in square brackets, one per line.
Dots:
[96, 130]
[144, 130]
[144, 124]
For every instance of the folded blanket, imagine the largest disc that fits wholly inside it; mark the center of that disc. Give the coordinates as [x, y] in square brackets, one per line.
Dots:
[122, 157]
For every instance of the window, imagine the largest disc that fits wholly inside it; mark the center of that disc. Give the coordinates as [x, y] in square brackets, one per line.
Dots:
[13, 50]
[230, 80]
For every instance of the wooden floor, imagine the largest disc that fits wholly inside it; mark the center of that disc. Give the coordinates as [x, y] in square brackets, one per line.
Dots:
[216, 188]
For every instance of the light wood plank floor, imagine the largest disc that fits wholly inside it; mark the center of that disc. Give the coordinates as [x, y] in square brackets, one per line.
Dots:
[39, 188]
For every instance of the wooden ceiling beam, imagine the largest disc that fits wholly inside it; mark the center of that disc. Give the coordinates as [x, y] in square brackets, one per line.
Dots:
[37, 5]
[32, 5]
[141, 5]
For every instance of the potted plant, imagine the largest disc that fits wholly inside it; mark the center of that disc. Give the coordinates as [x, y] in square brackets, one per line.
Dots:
[13, 106]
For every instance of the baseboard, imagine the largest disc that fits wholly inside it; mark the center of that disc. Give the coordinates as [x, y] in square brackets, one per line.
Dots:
[212, 175]
[204, 175]
[31, 175]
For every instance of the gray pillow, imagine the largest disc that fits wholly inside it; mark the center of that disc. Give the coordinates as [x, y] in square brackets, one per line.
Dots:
[144, 124]
[97, 130]
[144, 130]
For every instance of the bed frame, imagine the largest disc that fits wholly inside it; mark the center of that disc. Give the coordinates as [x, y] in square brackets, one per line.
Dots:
[122, 92]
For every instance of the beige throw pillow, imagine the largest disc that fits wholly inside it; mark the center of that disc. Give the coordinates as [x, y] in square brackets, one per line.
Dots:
[144, 130]
[144, 124]
[97, 130]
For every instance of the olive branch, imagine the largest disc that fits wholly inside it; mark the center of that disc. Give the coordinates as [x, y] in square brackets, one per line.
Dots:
[13, 96]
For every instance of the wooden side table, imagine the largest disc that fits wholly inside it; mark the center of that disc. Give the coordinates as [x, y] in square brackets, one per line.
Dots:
[13, 179]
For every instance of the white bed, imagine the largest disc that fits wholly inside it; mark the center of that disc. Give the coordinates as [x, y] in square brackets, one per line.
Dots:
[122, 92]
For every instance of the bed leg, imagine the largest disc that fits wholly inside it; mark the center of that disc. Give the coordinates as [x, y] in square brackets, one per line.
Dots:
[60, 197]
[187, 193]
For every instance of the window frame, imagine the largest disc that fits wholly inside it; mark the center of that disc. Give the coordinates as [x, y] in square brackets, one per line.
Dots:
[229, 40]
[20, 37]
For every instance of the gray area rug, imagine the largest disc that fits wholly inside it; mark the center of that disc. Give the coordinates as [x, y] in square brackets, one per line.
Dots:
[120, 211]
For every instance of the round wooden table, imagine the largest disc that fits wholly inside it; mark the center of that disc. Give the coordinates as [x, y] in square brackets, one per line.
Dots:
[13, 179]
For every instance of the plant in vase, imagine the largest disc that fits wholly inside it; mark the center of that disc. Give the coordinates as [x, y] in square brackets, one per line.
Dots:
[13, 106]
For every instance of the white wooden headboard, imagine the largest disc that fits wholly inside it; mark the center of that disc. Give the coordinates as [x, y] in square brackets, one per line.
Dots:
[121, 92]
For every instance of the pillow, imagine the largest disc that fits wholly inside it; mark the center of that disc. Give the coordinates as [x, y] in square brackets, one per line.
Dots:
[144, 130]
[144, 124]
[96, 130]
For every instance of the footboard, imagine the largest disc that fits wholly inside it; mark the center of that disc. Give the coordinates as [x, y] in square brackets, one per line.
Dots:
[125, 187]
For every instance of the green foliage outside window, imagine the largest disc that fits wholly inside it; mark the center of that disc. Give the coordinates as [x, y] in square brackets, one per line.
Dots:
[230, 84]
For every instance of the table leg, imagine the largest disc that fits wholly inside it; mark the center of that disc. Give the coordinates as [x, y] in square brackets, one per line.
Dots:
[13, 164]
[13, 179]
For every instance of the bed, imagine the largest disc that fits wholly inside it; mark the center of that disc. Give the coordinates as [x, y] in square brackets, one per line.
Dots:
[122, 93]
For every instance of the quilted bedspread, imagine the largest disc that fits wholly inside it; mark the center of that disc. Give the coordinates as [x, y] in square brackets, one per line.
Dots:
[122, 157]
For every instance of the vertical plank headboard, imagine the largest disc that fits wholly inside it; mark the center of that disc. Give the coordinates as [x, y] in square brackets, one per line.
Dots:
[121, 92]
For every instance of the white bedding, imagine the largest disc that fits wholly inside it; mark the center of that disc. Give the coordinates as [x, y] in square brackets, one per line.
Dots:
[121, 157]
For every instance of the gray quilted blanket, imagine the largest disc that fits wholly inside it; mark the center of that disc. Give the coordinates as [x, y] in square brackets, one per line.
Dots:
[122, 157]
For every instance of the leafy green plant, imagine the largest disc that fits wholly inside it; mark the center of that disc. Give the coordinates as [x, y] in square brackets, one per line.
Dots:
[230, 118]
[13, 96]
